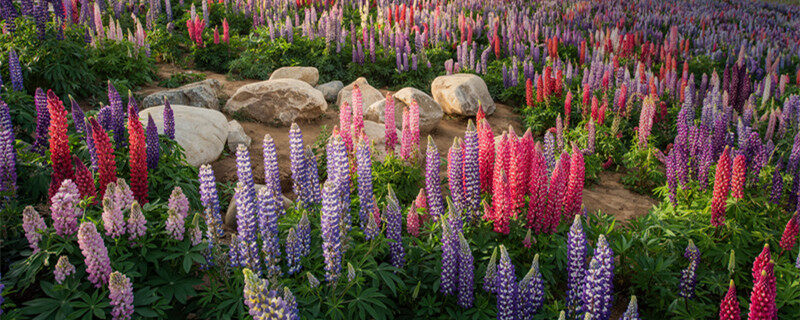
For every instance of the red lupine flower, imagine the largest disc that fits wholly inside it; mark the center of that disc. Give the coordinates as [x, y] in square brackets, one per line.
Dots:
[486, 155]
[138, 157]
[595, 109]
[761, 261]
[574, 194]
[539, 90]
[107, 166]
[587, 96]
[502, 206]
[762, 298]
[516, 172]
[547, 82]
[567, 108]
[555, 196]
[729, 308]
[480, 115]
[528, 92]
[738, 177]
[500, 183]
[412, 221]
[602, 114]
[789, 236]
[538, 190]
[225, 35]
[84, 180]
[722, 185]
[59, 144]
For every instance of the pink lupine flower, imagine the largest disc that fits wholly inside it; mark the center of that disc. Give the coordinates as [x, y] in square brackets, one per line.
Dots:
[538, 190]
[722, 185]
[225, 31]
[64, 208]
[178, 202]
[738, 177]
[389, 124]
[358, 111]
[405, 140]
[34, 225]
[413, 121]
[412, 221]
[95, 254]
[63, 269]
[136, 222]
[175, 225]
[486, 154]
[113, 219]
[574, 194]
[346, 124]
[120, 292]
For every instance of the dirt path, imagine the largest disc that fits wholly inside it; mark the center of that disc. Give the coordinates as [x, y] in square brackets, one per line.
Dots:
[610, 196]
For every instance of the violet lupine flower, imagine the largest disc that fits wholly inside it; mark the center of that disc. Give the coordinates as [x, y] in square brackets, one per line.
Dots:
[390, 130]
[63, 269]
[531, 291]
[210, 201]
[455, 174]
[365, 193]
[549, 151]
[263, 303]
[298, 163]
[34, 225]
[689, 275]
[178, 202]
[291, 305]
[331, 241]
[312, 174]
[8, 162]
[117, 115]
[394, 229]
[471, 176]
[449, 258]
[489, 279]
[169, 120]
[293, 250]
[175, 225]
[78, 117]
[576, 267]
[272, 177]
[339, 174]
[42, 121]
[507, 288]
[64, 208]
[247, 251]
[598, 284]
[153, 147]
[137, 224]
[95, 254]
[15, 71]
[432, 188]
[313, 282]
[632, 313]
[466, 273]
[268, 227]
[304, 234]
[120, 292]
[351, 272]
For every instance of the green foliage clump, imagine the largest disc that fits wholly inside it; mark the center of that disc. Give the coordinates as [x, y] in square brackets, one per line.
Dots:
[181, 78]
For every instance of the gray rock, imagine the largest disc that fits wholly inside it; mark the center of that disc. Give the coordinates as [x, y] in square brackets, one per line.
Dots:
[369, 95]
[280, 101]
[377, 133]
[330, 89]
[308, 75]
[459, 94]
[430, 113]
[203, 94]
[237, 136]
[201, 132]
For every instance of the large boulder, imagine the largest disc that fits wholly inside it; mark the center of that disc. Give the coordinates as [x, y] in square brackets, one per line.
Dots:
[330, 89]
[201, 132]
[281, 101]
[369, 95]
[308, 75]
[430, 113]
[237, 136]
[203, 94]
[459, 94]
[377, 133]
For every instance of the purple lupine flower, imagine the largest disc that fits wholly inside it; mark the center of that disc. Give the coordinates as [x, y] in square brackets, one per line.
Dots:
[590, 137]
[34, 225]
[268, 229]
[113, 219]
[576, 267]
[338, 173]
[8, 161]
[175, 225]
[598, 284]
[5, 117]
[15, 71]
[137, 224]
[95, 254]
[262, 302]
[632, 313]
[291, 305]
[90, 146]
[120, 292]
[105, 117]
[449, 258]
[233, 253]
[42, 121]
[531, 291]
[777, 184]
[117, 115]
[298, 163]
[489, 284]
[40, 17]
[466, 273]
[394, 229]
[549, 151]
[331, 241]
[78, 118]
[507, 288]
[246, 212]
[312, 176]
[304, 234]
[210, 201]
[672, 174]
[64, 208]
[272, 177]
[178, 202]
[432, 188]
[455, 174]
[293, 252]
[689, 275]
[153, 147]
[471, 176]
[63, 269]
[313, 282]
[365, 193]
[169, 120]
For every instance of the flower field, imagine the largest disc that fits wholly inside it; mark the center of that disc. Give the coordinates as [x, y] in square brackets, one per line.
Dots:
[394, 159]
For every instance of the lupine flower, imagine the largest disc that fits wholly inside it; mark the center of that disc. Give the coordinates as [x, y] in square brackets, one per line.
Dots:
[113, 219]
[762, 298]
[64, 208]
[526, 242]
[42, 121]
[107, 170]
[507, 288]
[59, 144]
[372, 230]
[789, 237]
[339, 174]
[406, 149]
[394, 229]
[598, 284]
[120, 292]
[729, 308]
[346, 121]
[293, 250]
[365, 193]
[486, 154]
[576, 267]
[646, 120]
[63, 269]
[272, 177]
[15, 71]
[471, 176]
[573, 197]
[169, 120]
[501, 210]
[83, 180]
[389, 124]
[312, 280]
[312, 174]
[455, 174]
[268, 227]
[210, 201]
[531, 291]
[412, 221]
[555, 193]
[33, 224]
[117, 120]
[489, 282]
[722, 180]
[153, 147]
[689, 275]
[632, 313]
[123, 194]
[738, 177]
[358, 111]
[466, 273]
[95, 254]
[138, 156]
[137, 225]
[331, 237]
[449, 246]
[262, 302]
[178, 202]
[175, 225]
[246, 211]
[297, 157]
[432, 187]
[549, 151]
[413, 120]
[291, 305]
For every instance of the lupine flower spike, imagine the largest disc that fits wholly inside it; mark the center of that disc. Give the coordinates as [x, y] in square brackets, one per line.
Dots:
[729, 308]
[120, 292]
[531, 291]
[466, 273]
[63, 269]
[507, 288]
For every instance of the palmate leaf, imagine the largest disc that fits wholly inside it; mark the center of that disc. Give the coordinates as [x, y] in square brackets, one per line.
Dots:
[369, 301]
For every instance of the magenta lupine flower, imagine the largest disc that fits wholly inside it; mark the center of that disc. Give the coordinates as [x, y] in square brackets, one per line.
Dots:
[573, 197]
[268, 229]
[137, 224]
[358, 112]
[413, 125]
[365, 193]
[555, 195]
[63, 269]
[153, 147]
[210, 200]
[272, 177]
[507, 288]
[455, 174]
[432, 188]
[598, 286]
[722, 184]
[632, 313]
[538, 191]
[169, 120]
[34, 225]
[576, 267]
[406, 152]
[120, 292]
[331, 237]
[263, 303]
[449, 246]
[346, 122]
[113, 219]
[471, 176]
[293, 252]
[389, 124]
[178, 202]
[123, 195]
[531, 291]
[689, 275]
[394, 229]
[64, 208]
[95, 254]
[466, 273]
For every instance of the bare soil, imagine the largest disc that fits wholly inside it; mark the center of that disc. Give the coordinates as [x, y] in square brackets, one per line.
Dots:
[610, 196]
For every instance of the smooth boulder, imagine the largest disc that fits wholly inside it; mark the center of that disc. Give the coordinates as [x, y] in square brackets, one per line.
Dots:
[369, 95]
[202, 94]
[281, 101]
[308, 75]
[459, 94]
[237, 136]
[201, 132]
[430, 113]
[330, 89]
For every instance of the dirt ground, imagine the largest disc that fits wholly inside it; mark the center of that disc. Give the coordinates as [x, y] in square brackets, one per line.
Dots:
[611, 197]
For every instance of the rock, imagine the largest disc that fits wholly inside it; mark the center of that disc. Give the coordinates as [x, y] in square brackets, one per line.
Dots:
[203, 94]
[230, 214]
[201, 132]
[280, 101]
[369, 95]
[377, 132]
[459, 94]
[330, 89]
[430, 113]
[308, 75]
[237, 136]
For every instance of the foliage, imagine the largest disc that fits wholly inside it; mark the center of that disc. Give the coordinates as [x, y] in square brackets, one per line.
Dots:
[181, 78]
